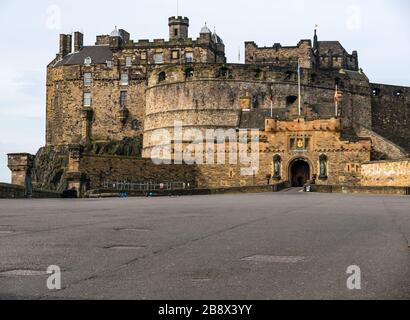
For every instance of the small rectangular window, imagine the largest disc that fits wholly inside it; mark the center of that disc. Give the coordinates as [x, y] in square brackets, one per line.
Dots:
[87, 79]
[87, 99]
[123, 99]
[158, 58]
[189, 57]
[144, 55]
[175, 54]
[109, 64]
[124, 79]
[128, 61]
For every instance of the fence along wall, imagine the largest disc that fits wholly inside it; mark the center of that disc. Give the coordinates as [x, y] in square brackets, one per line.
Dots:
[386, 174]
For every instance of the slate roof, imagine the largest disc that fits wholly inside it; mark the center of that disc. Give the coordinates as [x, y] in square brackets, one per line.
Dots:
[325, 46]
[98, 54]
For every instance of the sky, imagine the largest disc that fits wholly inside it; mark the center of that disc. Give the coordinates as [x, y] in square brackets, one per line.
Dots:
[378, 29]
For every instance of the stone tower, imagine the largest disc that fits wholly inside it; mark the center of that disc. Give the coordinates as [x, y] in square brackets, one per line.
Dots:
[178, 28]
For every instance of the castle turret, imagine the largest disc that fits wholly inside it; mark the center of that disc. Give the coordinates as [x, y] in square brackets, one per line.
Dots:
[178, 28]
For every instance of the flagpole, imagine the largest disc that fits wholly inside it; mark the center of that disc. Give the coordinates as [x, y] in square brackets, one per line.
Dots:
[299, 90]
[336, 102]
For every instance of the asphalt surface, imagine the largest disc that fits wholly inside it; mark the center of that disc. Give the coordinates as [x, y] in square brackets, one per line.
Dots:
[287, 245]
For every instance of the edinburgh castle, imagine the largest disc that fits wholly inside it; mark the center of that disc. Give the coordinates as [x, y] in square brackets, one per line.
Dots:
[319, 119]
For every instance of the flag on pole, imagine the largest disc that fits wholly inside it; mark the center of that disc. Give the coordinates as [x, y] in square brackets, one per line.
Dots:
[338, 95]
[338, 98]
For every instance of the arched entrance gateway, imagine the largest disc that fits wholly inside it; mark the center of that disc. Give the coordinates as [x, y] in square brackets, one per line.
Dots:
[299, 171]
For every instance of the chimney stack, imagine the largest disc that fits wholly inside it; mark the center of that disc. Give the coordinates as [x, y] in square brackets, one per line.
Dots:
[65, 45]
[78, 41]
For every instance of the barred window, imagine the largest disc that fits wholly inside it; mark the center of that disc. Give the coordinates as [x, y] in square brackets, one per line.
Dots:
[87, 79]
[128, 61]
[158, 58]
[87, 99]
[124, 79]
[189, 57]
[123, 99]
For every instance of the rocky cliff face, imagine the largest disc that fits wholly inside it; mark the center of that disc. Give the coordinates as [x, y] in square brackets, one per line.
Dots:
[51, 163]
[49, 168]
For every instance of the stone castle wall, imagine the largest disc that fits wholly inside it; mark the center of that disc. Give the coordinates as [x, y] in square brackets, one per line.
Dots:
[65, 111]
[391, 113]
[99, 169]
[212, 95]
[386, 173]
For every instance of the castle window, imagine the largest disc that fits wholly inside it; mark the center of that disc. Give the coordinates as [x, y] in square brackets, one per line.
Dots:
[144, 55]
[123, 99]
[158, 58]
[124, 79]
[291, 100]
[337, 81]
[375, 92]
[87, 61]
[162, 77]
[189, 57]
[109, 64]
[176, 32]
[56, 102]
[87, 99]
[128, 61]
[288, 76]
[313, 78]
[258, 73]
[189, 73]
[87, 79]
[223, 72]
[175, 54]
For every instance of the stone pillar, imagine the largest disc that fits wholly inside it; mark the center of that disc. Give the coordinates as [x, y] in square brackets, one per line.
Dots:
[21, 166]
[74, 177]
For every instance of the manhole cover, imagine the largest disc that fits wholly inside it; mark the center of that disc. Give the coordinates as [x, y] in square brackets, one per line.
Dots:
[121, 247]
[19, 273]
[274, 259]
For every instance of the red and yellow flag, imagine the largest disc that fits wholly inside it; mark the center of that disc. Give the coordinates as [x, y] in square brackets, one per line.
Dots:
[338, 95]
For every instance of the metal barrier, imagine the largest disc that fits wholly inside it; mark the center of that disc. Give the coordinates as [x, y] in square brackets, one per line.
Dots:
[144, 186]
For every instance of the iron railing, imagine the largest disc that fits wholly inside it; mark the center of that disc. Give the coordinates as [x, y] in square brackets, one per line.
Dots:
[144, 186]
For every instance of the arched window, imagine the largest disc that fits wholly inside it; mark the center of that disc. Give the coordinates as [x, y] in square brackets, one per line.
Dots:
[277, 167]
[291, 100]
[323, 167]
[162, 76]
[189, 73]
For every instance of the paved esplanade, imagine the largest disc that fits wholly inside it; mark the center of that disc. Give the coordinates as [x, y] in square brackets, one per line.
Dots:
[263, 246]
